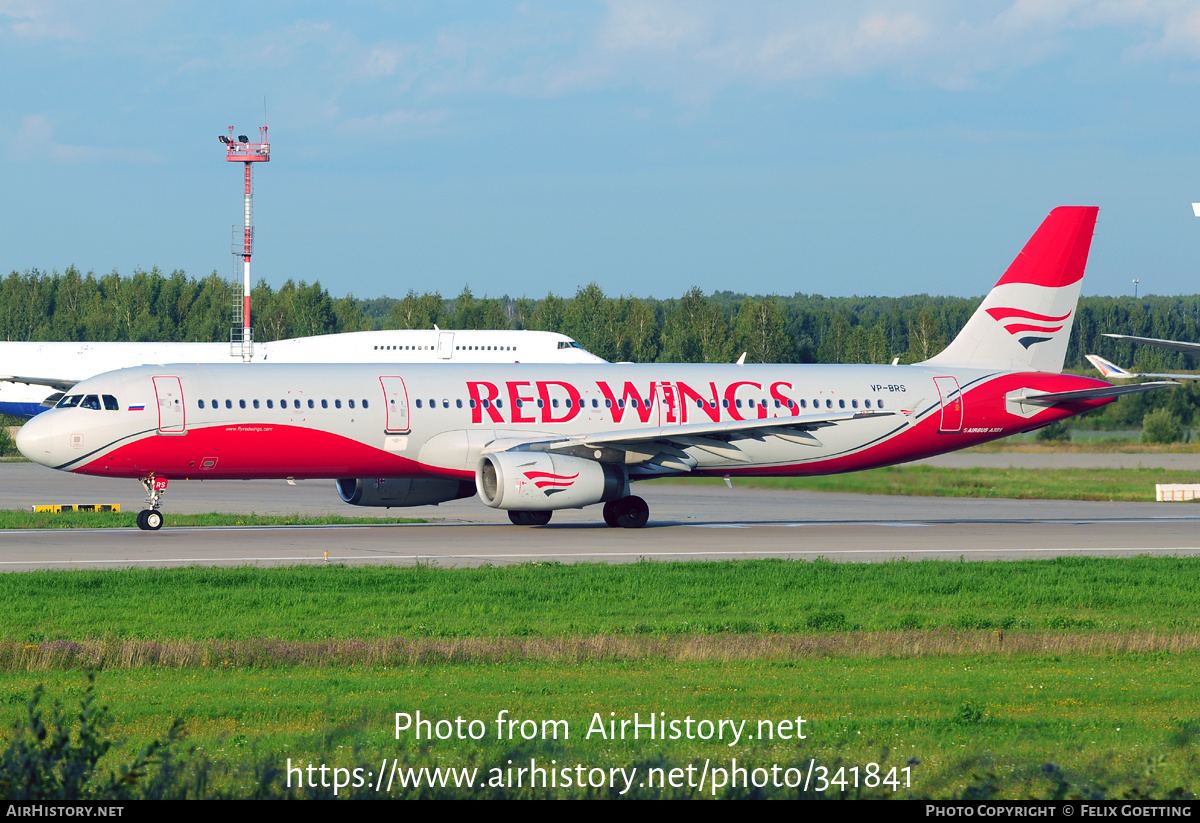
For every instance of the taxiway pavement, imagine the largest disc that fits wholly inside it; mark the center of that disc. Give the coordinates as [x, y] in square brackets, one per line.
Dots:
[687, 522]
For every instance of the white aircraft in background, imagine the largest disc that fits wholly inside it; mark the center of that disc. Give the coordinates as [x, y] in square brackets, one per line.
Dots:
[37, 374]
[534, 438]
[1111, 371]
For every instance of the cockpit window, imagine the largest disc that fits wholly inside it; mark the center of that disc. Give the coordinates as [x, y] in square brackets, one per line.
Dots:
[568, 344]
[70, 401]
[111, 404]
[90, 402]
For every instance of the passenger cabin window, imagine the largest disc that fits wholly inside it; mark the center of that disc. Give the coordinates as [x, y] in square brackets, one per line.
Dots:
[270, 404]
[200, 403]
[229, 404]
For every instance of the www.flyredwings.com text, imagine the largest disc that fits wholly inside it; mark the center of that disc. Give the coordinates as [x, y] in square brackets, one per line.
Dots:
[712, 776]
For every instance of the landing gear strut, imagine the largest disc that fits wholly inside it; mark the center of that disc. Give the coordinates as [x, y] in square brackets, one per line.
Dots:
[151, 519]
[627, 513]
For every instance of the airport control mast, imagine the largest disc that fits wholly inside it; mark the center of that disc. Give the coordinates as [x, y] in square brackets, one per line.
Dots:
[241, 150]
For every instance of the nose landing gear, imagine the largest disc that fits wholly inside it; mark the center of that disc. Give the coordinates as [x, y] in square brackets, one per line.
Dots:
[151, 519]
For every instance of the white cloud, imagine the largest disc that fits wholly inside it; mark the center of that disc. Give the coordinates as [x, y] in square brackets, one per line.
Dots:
[36, 20]
[35, 140]
[392, 124]
[699, 47]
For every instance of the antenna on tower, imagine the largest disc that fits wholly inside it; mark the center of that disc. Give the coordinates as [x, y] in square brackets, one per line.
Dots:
[241, 150]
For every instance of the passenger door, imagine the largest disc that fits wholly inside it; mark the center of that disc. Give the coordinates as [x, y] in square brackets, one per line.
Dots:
[952, 405]
[395, 400]
[171, 415]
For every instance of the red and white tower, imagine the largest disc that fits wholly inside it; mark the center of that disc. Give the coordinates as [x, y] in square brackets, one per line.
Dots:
[241, 150]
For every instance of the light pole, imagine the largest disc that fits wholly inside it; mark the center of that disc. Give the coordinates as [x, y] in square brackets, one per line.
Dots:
[1135, 285]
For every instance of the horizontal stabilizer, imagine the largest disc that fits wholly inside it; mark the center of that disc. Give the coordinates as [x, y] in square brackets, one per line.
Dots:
[1098, 393]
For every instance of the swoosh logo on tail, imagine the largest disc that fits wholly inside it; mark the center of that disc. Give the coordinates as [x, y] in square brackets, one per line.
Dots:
[1018, 322]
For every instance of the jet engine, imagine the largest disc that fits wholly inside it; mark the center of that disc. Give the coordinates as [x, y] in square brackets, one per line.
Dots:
[537, 481]
[402, 491]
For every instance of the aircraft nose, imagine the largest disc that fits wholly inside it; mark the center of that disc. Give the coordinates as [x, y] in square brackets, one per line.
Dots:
[35, 440]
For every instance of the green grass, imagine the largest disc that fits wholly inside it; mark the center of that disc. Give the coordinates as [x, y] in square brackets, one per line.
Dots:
[1121, 721]
[1135, 485]
[1080, 594]
[983, 672]
[21, 519]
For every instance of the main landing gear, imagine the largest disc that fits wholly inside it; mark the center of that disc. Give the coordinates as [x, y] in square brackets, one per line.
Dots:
[627, 513]
[151, 519]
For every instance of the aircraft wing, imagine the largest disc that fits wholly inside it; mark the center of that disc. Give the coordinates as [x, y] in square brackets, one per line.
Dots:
[1050, 398]
[667, 443]
[52, 382]
[1177, 345]
[1111, 371]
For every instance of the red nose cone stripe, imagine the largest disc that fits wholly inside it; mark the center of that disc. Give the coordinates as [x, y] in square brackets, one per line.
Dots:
[1057, 253]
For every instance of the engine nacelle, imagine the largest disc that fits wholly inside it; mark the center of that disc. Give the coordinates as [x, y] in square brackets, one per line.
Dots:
[402, 491]
[537, 481]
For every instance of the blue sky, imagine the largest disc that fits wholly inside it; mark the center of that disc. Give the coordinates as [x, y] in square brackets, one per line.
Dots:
[880, 148]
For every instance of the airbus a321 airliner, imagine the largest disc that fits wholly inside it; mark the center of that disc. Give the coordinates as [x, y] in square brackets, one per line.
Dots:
[534, 438]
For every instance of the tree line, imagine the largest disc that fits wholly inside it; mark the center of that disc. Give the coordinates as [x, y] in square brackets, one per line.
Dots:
[693, 328]
[801, 328]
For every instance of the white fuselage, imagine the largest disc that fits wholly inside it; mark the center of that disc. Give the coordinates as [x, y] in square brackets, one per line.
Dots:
[438, 421]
